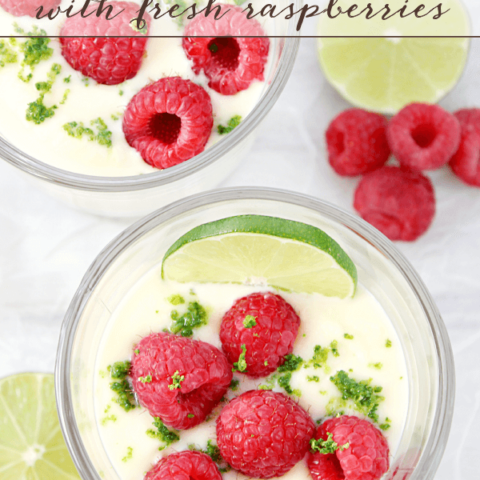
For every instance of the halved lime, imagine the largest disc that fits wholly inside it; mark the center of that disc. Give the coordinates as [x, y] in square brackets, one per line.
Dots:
[385, 74]
[255, 249]
[31, 442]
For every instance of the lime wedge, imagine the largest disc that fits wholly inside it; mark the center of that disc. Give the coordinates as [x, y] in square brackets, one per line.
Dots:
[385, 74]
[31, 442]
[259, 250]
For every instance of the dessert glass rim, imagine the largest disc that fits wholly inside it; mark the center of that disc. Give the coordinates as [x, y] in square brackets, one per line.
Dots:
[43, 171]
[440, 427]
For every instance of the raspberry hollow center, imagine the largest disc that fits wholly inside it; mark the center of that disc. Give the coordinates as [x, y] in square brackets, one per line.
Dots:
[165, 127]
[424, 134]
[225, 52]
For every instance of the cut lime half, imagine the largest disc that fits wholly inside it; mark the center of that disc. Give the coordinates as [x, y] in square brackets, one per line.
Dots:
[385, 74]
[31, 442]
[260, 250]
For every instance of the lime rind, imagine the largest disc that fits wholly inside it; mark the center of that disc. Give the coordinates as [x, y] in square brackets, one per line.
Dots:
[266, 248]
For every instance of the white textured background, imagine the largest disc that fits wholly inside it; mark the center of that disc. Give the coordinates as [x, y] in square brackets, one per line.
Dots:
[45, 248]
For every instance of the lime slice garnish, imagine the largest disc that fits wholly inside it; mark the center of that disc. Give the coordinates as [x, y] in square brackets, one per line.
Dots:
[31, 442]
[254, 249]
[385, 74]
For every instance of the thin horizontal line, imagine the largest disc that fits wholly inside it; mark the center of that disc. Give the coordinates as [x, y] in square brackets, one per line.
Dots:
[241, 36]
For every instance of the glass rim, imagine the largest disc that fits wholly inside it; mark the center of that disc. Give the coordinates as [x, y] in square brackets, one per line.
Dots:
[77, 181]
[442, 419]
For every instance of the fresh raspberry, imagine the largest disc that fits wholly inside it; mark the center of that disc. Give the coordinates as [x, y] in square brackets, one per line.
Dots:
[263, 434]
[169, 121]
[365, 458]
[184, 465]
[263, 325]
[423, 137]
[398, 201]
[19, 8]
[231, 64]
[466, 161]
[178, 379]
[109, 61]
[357, 142]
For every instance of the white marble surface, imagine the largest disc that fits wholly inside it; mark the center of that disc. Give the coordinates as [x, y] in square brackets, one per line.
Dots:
[45, 248]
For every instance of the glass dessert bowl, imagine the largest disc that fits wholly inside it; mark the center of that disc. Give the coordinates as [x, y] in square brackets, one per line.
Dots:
[82, 146]
[417, 348]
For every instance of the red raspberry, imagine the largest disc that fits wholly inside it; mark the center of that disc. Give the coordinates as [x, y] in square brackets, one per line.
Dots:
[263, 434]
[19, 8]
[109, 61]
[423, 137]
[397, 201]
[184, 465]
[169, 121]
[178, 379]
[267, 334]
[466, 161]
[231, 64]
[365, 458]
[357, 142]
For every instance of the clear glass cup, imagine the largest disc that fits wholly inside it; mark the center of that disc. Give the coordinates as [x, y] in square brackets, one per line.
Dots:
[381, 269]
[138, 195]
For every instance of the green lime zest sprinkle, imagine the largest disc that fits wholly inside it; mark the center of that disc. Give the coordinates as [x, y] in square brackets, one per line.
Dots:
[176, 299]
[326, 446]
[109, 418]
[249, 321]
[146, 379]
[333, 346]
[386, 425]
[213, 452]
[270, 382]
[103, 136]
[129, 455]
[234, 384]
[313, 378]
[320, 357]
[115, 116]
[177, 379]
[34, 49]
[120, 92]
[191, 415]
[231, 124]
[37, 111]
[7, 54]
[162, 433]
[86, 81]
[134, 26]
[378, 365]
[388, 343]
[364, 396]
[65, 96]
[348, 336]
[119, 371]
[195, 317]
[137, 351]
[292, 363]
[265, 363]
[241, 365]
[284, 382]
[67, 79]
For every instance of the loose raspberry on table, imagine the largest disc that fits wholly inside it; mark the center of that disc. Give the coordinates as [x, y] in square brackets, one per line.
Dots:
[169, 121]
[178, 379]
[19, 8]
[263, 327]
[357, 142]
[186, 465]
[423, 137]
[465, 163]
[362, 452]
[263, 434]
[231, 64]
[398, 201]
[109, 61]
